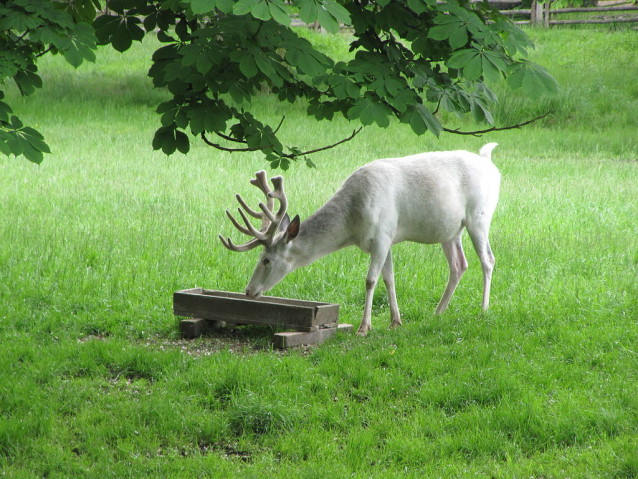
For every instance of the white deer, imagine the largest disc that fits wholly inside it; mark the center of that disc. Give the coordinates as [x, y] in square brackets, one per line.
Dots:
[426, 198]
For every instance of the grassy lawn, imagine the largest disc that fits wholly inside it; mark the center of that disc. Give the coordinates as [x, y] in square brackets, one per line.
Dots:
[95, 381]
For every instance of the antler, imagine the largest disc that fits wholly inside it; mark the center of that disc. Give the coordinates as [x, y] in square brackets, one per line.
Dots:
[270, 220]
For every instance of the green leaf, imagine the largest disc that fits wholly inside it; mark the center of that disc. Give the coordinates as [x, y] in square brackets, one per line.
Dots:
[261, 11]
[121, 39]
[164, 139]
[496, 60]
[204, 63]
[267, 69]
[73, 56]
[279, 12]
[181, 142]
[370, 112]
[339, 12]
[421, 119]
[458, 37]
[309, 162]
[248, 66]
[461, 58]
[214, 121]
[533, 79]
[538, 82]
[474, 68]
[36, 139]
[5, 149]
[30, 153]
[202, 6]
[190, 54]
[481, 113]
[308, 11]
[417, 6]
[327, 21]
[225, 6]
[439, 33]
[242, 7]
[5, 111]
[16, 123]
[196, 120]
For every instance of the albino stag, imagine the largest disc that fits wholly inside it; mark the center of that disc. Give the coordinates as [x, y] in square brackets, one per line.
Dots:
[426, 198]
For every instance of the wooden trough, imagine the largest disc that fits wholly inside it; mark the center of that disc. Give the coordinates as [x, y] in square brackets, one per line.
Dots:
[311, 321]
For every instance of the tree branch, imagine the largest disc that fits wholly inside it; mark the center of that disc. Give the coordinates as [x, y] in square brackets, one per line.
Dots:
[279, 126]
[494, 128]
[317, 150]
[290, 156]
[223, 148]
[225, 137]
[235, 140]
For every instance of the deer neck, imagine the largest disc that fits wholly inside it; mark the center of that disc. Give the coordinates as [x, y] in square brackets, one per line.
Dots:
[323, 233]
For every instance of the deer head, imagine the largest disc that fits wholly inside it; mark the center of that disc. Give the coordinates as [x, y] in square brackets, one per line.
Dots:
[275, 235]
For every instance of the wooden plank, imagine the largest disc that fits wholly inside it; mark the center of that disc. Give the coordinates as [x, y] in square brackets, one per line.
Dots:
[596, 9]
[290, 339]
[326, 313]
[233, 310]
[242, 296]
[237, 308]
[600, 21]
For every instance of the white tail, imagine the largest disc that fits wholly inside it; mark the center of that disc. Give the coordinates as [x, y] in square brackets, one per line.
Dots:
[426, 198]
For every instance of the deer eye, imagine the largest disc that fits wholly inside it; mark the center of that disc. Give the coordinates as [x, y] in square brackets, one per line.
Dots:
[266, 261]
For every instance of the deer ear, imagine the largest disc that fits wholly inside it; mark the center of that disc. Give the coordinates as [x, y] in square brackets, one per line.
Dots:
[293, 229]
[283, 226]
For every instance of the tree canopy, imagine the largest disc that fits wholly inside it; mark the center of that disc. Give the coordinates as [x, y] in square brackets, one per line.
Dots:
[410, 58]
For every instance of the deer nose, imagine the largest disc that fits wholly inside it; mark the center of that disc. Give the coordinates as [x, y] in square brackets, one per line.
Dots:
[253, 293]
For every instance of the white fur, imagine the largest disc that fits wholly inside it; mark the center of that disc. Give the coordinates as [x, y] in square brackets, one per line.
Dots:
[426, 198]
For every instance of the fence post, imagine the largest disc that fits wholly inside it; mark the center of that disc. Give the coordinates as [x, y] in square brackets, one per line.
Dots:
[536, 13]
[548, 5]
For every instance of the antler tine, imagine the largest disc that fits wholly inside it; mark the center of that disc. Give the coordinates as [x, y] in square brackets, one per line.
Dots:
[237, 224]
[252, 231]
[261, 182]
[279, 194]
[269, 214]
[249, 229]
[249, 210]
[228, 243]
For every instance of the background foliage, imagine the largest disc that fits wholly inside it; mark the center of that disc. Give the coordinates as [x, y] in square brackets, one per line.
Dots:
[411, 59]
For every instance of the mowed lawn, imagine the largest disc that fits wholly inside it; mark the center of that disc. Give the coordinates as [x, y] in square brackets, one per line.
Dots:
[95, 381]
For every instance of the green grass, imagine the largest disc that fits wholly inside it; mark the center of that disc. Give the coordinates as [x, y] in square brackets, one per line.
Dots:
[95, 382]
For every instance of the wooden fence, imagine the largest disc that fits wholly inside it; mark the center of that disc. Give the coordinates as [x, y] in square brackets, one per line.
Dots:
[544, 14]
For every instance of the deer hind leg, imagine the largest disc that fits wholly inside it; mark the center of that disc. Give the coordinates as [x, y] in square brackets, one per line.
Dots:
[378, 255]
[453, 250]
[388, 278]
[486, 257]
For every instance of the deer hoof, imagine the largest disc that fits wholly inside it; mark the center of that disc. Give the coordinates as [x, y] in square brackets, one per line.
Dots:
[395, 324]
[363, 331]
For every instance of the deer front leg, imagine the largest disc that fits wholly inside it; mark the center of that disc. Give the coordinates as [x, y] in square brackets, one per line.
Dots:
[377, 260]
[388, 279]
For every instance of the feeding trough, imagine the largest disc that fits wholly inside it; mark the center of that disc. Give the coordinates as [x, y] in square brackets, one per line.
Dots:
[312, 322]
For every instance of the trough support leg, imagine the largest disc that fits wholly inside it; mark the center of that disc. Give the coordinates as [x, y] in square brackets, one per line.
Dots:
[192, 328]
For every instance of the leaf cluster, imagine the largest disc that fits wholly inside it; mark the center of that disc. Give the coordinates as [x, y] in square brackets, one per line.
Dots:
[28, 30]
[409, 59]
